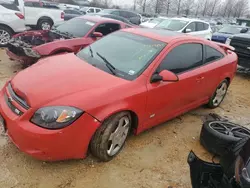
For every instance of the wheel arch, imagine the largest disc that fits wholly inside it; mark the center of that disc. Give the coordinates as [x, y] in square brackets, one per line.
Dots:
[45, 18]
[4, 25]
[60, 50]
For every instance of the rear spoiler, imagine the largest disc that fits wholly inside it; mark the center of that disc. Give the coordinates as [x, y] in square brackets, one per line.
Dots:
[225, 47]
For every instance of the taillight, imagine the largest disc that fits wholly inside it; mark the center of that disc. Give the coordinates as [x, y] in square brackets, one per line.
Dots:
[62, 15]
[19, 15]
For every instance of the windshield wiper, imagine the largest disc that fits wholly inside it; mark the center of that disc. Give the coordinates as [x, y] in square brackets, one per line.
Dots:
[108, 64]
[91, 51]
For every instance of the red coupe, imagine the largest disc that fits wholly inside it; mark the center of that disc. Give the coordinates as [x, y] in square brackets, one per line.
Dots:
[130, 80]
[28, 47]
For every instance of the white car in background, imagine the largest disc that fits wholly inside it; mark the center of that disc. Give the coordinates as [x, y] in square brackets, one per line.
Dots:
[40, 15]
[11, 22]
[151, 23]
[193, 27]
[87, 10]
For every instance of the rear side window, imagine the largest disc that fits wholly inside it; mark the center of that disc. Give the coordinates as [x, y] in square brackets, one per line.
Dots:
[182, 59]
[199, 26]
[206, 26]
[10, 6]
[212, 54]
[97, 10]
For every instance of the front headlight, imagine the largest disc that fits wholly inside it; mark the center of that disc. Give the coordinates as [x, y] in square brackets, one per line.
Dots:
[228, 41]
[56, 117]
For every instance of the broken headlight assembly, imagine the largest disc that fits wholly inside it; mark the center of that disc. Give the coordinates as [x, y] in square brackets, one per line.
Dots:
[56, 117]
[32, 53]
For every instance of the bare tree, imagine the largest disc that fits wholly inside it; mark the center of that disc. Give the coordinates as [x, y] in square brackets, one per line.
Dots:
[240, 8]
[205, 8]
[179, 7]
[187, 6]
[214, 3]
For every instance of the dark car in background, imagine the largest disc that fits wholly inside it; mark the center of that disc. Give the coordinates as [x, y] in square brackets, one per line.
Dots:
[72, 13]
[133, 17]
[228, 31]
[112, 16]
[241, 43]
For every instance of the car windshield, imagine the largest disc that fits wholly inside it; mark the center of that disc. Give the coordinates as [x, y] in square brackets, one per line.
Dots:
[128, 60]
[84, 9]
[230, 30]
[172, 24]
[156, 20]
[77, 27]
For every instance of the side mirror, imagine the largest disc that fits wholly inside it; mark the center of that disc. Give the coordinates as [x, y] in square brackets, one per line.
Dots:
[165, 76]
[188, 30]
[97, 35]
[244, 30]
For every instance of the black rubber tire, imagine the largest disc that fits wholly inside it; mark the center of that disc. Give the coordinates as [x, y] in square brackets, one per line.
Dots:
[8, 30]
[99, 142]
[228, 160]
[215, 142]
[210, 103]
[39, 25]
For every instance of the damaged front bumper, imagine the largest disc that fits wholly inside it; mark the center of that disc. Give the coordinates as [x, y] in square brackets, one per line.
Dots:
[21, 51]
[207, 175]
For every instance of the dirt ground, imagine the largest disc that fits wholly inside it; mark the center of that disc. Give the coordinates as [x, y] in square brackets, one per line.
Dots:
[156, 158]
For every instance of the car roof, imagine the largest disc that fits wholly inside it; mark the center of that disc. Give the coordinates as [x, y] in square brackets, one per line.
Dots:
[189, 19]
[157, 34]
[98, 19]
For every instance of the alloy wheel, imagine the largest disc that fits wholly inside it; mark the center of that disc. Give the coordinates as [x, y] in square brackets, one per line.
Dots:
[45, 26]
[4, 37]
[118, 136]
[220, 94]
[230, 129]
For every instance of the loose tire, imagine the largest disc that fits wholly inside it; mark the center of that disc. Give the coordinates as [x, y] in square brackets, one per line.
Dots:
[5, 35]
[110, 138]
[45, 24]
[218, 136]
[219, 94]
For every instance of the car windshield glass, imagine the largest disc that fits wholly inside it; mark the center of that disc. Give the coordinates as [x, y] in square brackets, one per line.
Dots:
[230, 30]
[156, 20]
[171, 24]
[77, 27]
[128, 60]
[84, 9]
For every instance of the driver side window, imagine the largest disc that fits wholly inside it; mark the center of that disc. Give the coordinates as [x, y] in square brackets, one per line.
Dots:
[190, 26]
[107, 28]
[182, 59]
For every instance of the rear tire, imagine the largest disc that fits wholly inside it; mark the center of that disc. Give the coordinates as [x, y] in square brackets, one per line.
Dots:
[219, 94]
[111, 136]
[45, 24]
[5, 35]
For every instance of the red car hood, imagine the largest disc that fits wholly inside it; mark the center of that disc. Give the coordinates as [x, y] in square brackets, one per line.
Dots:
[59, 76]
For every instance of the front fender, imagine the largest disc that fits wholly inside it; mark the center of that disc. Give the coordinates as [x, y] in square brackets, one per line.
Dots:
[71, 45]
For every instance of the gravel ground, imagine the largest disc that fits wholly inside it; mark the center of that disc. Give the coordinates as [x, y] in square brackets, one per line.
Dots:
[155, 158]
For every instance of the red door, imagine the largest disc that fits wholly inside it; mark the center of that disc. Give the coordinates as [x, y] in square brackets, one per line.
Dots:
[167, 100]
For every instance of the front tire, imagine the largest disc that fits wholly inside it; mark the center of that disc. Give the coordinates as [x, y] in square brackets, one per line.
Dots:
[110, 138]
[219, 94]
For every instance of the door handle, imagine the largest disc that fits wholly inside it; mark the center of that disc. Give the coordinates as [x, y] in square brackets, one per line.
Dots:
[200, 78]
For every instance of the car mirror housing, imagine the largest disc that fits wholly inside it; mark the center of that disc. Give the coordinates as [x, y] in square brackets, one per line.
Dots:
[165, 76]
[97, 35]
[244, 30]
[188, 30]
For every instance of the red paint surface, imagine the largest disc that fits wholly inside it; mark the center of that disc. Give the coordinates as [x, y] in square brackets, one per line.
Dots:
[68, 80]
